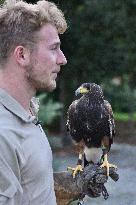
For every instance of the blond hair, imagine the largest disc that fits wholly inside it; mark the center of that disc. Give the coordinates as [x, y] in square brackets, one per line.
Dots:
[19, 21]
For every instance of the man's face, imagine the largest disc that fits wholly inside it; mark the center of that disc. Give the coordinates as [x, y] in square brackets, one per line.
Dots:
[46, 59]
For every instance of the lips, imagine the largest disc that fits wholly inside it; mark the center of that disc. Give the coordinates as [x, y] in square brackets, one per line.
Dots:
[56, 71]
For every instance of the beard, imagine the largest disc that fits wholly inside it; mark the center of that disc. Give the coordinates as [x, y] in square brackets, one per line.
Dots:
[39, 83]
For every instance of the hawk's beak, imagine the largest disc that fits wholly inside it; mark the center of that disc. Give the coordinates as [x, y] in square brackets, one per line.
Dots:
[81, 90]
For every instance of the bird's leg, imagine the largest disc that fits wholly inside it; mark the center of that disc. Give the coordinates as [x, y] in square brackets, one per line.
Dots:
[79, 167]
[107, 164]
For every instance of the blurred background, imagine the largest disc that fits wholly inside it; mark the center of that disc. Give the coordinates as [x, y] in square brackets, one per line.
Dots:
[100, 46]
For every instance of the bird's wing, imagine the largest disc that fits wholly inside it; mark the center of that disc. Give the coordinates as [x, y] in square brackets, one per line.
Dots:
[73, 122]
[70, 115]
[111, 120]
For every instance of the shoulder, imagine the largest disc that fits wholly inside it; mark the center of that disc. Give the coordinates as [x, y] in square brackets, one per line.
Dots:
[5, 116]
[9, 135]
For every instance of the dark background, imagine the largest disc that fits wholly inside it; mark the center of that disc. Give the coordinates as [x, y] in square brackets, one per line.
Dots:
[100, 46]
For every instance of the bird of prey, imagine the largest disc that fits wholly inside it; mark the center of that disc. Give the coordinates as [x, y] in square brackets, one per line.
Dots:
[91, 125]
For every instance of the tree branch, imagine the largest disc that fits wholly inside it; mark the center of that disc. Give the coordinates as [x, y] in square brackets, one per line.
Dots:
[90, 182]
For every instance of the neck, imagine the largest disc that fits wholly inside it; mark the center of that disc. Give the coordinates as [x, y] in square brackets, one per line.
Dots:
[17, 87]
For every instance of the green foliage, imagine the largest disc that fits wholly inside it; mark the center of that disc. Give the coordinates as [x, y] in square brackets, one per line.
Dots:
[49, 109]
[1, 2]
[124, 116]
[122, 97]
[97, 42]
[100, 44]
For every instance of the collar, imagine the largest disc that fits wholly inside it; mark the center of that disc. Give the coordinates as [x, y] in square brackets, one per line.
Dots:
[15, 107]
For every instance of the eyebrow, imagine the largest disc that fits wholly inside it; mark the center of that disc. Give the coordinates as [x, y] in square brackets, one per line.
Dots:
[58, 43]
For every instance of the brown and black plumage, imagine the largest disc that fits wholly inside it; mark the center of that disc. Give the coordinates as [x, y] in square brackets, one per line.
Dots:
[91, 124]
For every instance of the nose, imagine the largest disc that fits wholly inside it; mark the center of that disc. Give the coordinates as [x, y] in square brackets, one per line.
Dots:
[61, 59]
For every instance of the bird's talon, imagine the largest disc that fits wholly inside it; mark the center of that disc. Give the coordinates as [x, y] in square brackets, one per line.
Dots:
[107, 165]
[75, 170]
[70, 169]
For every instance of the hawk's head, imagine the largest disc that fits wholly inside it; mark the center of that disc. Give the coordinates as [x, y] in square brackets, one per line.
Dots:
[90, 89]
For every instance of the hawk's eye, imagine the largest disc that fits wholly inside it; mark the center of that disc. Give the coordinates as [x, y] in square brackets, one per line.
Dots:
[87, 87]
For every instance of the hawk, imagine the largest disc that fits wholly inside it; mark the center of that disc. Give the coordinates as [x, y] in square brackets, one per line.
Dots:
[91, 125]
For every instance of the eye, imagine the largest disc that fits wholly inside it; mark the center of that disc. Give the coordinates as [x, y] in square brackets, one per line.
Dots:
[88, 87]
[55, 47]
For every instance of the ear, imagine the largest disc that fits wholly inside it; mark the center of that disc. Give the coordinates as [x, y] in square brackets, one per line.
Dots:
[22, 55]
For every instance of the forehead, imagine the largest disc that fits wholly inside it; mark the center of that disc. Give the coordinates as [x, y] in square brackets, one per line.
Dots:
[49, 34]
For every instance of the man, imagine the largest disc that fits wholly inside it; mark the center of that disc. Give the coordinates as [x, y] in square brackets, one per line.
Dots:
[30, 59]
